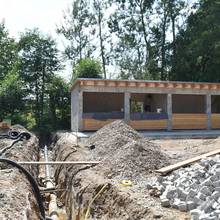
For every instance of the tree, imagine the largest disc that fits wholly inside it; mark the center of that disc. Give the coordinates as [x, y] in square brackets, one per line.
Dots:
[198, 47]
[99, 8]
[39, 61]
[59, 103]
[8, 51]
[131, 23]
[75, 29]
[11, 96]
[87, 68]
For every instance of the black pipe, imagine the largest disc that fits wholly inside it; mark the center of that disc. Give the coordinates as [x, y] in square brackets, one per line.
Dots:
[33, 183]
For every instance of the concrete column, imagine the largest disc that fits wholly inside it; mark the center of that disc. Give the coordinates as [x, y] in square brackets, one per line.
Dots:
[127, 97]
[76, 110]
[169, 112]
[208, 111]
[80, 111]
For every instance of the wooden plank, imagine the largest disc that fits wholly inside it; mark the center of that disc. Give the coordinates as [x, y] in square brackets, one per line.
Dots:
[57, 162]
[170, 168]
[215, 118]
[189, 121]
[149, 124]
[90, 124]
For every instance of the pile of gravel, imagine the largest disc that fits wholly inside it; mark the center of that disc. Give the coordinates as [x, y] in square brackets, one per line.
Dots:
[195, 188]
[124, 153]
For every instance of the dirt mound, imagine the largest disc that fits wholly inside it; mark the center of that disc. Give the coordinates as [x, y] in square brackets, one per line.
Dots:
[111, 137]
[124, 153]
[135, 160]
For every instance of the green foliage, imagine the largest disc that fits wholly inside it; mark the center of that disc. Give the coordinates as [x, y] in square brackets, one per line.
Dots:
[198, 47]
[8, 51]
[11, 96]
[39, 61]
[87, 68]
[75, 29]
[59, 104]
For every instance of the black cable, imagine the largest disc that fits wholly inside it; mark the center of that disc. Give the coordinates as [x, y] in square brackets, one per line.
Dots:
[33, 183]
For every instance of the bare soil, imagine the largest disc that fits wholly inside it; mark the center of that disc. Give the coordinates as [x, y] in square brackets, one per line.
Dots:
[16, 195]
[98, 190]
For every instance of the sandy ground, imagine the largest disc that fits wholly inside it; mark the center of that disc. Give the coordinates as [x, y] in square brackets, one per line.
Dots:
[181, 149]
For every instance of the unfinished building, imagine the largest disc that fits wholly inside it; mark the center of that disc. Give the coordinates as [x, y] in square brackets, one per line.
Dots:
[145, 105]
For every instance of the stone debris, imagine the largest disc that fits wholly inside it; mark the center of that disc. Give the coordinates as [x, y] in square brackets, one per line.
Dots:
[195, 189]
[124, 153]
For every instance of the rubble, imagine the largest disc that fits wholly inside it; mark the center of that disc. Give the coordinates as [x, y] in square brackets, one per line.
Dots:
[194, 189]
[124, 155]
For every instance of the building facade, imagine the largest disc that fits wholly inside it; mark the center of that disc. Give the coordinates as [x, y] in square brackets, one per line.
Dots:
[145, 105]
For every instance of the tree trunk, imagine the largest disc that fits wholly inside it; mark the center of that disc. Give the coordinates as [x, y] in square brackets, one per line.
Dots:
[101, 41]
[163, 49]
[147, 45]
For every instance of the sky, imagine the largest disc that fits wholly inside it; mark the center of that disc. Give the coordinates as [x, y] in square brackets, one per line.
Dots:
[43, 14]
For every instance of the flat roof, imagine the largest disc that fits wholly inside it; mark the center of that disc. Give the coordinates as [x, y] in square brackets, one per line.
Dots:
[144, 83]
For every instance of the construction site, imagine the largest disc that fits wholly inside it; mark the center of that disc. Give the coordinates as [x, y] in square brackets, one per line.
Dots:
[113, 173]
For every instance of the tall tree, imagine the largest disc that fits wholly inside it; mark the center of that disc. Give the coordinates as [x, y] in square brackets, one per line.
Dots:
[39, 61]
[100, 21]
[59, 104]
[12, 95]
[75, 29]
[131, 24]
[8, 51]
[198, 46]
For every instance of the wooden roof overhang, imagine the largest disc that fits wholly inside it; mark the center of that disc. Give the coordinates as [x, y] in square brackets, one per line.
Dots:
[145, 84]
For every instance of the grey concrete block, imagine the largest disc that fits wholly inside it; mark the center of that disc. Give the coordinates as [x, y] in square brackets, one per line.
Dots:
[165, 202]
[197, 200]
[215, 195]
[206, 190]
[216, 183]
[202, 196]
[195, 212]
[190, 205]
[182, 206]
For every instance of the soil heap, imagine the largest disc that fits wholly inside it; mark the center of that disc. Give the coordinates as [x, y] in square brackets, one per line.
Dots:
[124, 155]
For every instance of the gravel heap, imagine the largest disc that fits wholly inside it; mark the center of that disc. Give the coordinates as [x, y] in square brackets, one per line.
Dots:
[124, 153]
[195, 189]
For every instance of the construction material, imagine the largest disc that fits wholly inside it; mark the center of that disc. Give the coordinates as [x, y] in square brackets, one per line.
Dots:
[58, 162]
[124, 153]
[50, 185]
[215, 118]
[189, 121]
[195, 188]
[170, 168]
[149, 124]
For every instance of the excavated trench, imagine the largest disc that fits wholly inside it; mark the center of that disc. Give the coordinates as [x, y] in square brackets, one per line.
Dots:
[115, 188]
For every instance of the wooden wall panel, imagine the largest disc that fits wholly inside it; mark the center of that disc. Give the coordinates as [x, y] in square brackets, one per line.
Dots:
[149, 124]
[90, 124]
[215, 121]
[189, 121]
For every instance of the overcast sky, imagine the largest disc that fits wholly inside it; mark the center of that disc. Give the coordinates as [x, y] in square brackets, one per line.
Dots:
[44, 14]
